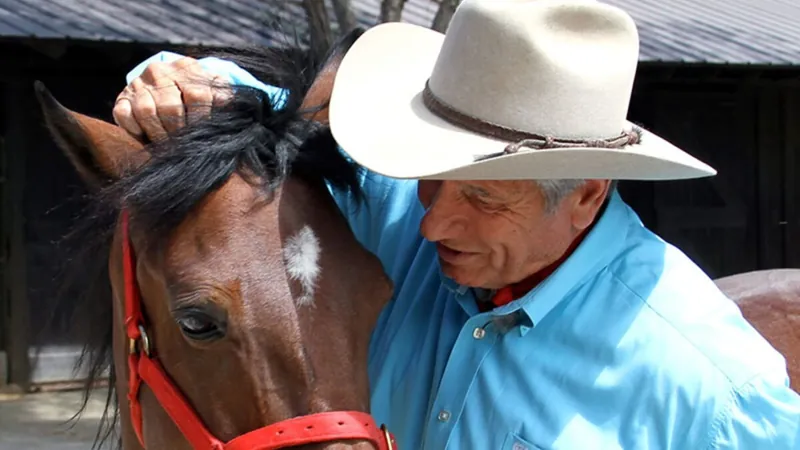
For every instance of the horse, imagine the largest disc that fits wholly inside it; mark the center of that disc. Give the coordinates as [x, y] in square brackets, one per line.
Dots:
[770, 301]
[238, 305]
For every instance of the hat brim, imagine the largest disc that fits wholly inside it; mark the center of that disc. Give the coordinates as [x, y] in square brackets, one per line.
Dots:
[377, 116]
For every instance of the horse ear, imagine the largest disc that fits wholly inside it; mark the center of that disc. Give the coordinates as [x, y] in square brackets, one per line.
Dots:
[99, 151]
[319, 94]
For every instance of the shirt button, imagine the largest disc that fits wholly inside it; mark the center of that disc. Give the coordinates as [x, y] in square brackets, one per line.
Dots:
[444, 416]
[478, 333]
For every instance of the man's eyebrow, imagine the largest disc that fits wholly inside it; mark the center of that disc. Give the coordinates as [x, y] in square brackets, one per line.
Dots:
[477, 190]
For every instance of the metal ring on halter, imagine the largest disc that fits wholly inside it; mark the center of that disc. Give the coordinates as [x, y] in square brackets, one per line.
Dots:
[132, 347]
[387, 436]
[145, 340]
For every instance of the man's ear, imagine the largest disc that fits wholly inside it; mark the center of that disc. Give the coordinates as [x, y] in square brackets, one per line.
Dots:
[588, 200]
[319, 94]
[100, 151]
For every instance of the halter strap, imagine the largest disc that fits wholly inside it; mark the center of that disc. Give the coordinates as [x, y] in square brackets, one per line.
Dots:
[144, 368]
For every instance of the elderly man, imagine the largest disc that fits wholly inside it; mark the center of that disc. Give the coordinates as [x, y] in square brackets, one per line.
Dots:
[532, 307]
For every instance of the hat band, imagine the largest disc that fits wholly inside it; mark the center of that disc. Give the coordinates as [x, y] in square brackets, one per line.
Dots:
[518, 138]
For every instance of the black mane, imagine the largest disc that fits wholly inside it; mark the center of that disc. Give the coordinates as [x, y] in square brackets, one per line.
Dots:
[248, 136]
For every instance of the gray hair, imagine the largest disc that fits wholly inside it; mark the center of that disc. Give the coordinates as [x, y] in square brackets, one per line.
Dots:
[556, 190]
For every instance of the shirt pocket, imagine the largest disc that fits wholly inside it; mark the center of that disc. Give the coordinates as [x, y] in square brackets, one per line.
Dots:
[514, 442]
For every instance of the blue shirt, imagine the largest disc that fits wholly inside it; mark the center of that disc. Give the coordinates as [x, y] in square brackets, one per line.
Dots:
[627, 345]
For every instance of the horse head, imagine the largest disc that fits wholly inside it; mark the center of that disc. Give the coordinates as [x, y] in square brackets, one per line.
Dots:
[257, 302]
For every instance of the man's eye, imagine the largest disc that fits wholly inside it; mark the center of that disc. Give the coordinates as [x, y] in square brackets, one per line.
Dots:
[487, 204]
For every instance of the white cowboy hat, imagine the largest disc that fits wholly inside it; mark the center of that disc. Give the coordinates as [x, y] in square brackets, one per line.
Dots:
[549, 73]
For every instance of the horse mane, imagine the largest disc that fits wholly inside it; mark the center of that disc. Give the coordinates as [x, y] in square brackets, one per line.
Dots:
[248, 136]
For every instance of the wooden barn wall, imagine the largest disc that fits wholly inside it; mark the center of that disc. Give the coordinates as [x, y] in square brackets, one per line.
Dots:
[38, 192]
[747, 217]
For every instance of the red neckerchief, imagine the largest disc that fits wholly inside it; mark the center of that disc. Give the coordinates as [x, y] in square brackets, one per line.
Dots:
[517, 290]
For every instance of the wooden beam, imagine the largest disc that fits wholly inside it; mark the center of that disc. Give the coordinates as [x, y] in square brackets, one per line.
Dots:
[19, 101]
[769, 175]
[701, 217]
[694, 74]
[53, 49]
[5, 305]
[791, 147]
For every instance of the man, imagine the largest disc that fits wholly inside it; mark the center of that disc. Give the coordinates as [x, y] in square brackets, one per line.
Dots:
[532, 308]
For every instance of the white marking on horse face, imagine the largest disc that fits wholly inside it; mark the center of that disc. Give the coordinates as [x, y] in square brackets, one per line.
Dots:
[301, 253]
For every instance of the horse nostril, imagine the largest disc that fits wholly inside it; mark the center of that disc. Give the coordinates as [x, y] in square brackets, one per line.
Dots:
[341, 423]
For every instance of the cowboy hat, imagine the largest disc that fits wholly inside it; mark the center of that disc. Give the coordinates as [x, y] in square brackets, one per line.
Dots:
[515, 89]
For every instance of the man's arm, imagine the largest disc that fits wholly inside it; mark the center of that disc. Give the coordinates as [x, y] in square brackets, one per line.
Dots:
[762, 414]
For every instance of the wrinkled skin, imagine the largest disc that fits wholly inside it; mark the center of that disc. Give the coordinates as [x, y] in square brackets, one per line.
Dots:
[490, 234]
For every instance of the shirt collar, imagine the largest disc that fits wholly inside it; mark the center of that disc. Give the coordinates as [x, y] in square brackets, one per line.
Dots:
[598, 248]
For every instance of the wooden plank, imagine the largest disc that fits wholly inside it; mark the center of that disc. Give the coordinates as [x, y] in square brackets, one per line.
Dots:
[746, 131]
[711, 219]
[701, 217]
[20, 102]
[791, 148]
[5, 306]
[770, 179]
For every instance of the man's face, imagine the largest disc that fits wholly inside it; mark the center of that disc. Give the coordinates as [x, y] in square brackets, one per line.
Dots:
[491, 234]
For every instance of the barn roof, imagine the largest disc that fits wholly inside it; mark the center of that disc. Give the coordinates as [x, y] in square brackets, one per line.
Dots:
[691, 31]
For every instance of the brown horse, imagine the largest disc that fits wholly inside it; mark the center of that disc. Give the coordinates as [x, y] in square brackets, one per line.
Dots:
[770, 301]
[257, 301]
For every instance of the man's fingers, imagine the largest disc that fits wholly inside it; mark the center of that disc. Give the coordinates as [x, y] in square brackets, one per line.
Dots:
[123, 115]
[145, 111]
[169, 106]
[197, 86]
[159, 73]
[167, 96]
[222, 92]
[187, 63]
[197, 97]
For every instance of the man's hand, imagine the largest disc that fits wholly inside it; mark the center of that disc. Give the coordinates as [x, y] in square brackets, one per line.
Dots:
[165, 96]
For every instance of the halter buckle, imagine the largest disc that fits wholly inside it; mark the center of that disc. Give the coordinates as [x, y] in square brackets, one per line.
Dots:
[387, 436]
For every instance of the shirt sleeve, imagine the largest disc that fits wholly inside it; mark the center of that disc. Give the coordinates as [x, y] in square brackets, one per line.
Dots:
[762, 414]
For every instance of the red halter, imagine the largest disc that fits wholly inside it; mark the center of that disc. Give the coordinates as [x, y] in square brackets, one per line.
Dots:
[143, 367]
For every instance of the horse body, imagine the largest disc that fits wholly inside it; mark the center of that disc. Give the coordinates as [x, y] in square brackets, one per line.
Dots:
[770, 301]
[257, 300]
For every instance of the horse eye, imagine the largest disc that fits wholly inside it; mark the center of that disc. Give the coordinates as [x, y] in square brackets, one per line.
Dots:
[198, 326]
